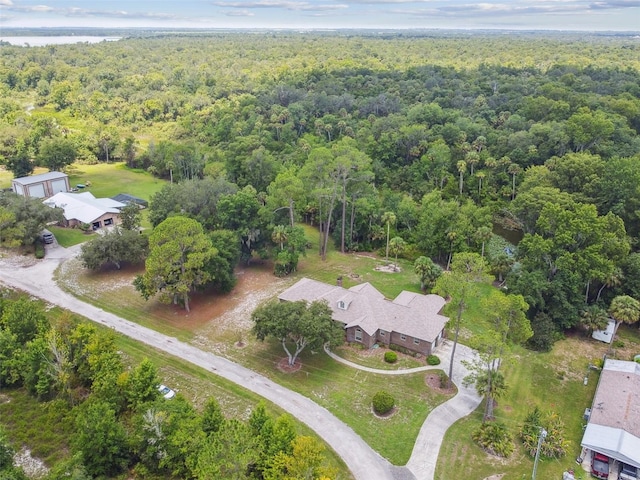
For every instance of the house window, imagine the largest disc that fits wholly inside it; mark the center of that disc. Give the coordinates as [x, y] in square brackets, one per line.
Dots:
[403, 337]
[341, 305]
[96, 225]
[382, 333]
[416, 341]
[358, 335]
[108, 221]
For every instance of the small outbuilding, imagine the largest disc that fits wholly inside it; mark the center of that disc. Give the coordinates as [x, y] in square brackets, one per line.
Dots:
[44, 185]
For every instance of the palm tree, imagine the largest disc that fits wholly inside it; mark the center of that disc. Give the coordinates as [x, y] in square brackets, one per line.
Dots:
[594, 318]
[388, 218]
[462, 168]
[483, 235]
[397, 246]
[427, 271]
[480, 175]
[279, 235]
[625, 309]
[513, 170]
[472, 158]
[614, 279]
[451, 236]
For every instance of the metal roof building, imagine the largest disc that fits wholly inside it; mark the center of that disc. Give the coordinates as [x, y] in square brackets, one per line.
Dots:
[614, 422]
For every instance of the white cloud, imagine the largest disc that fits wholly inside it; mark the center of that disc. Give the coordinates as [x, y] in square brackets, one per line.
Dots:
[7, 3]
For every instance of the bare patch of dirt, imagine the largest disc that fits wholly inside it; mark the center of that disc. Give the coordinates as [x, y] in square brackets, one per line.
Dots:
[497, 476]
[33, 467]
[433, 381]
[388, 268]
[229, 315]
[283, 365]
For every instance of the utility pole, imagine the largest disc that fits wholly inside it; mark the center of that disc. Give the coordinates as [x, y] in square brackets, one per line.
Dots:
[543, 435]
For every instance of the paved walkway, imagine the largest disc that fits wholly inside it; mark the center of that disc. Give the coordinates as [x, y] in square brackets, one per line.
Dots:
[37, 278]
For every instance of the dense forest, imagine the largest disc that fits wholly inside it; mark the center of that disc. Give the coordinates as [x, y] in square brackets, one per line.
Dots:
[439, 138]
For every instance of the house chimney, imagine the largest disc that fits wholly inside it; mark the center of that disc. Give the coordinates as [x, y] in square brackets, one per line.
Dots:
[339, 281]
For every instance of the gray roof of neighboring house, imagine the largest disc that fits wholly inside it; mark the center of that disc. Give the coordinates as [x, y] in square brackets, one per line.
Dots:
[410, 313]
[126, 198]
[83, 207]
[614, 424]
[42, 177]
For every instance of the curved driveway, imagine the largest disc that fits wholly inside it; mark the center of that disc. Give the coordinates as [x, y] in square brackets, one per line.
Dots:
[364, 462]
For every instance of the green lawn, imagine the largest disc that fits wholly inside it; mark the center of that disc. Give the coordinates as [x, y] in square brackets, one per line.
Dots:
[68, 237]
[110, 179]
[347, 393]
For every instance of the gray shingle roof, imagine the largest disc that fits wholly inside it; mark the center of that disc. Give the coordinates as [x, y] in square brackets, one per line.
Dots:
[410, 313]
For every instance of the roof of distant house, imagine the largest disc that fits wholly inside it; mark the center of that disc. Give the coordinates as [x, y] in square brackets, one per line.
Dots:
[126, 198]
[614, 423]
[364, 306]
[83, 207]
[42, 177]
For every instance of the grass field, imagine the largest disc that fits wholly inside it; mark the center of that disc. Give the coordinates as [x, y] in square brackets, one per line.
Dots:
[110, 179]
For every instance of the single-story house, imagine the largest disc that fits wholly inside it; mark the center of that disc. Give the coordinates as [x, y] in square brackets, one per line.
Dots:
[411, 320]
[83, 207]
[128, 199]
[613, 427]
[44, 185]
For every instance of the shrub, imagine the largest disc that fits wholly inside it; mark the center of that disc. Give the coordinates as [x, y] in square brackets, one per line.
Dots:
[390, 357]
[433, 360]
[383, 402]
[39, 250]
[494, 438]
[444, 380]
[554, 445]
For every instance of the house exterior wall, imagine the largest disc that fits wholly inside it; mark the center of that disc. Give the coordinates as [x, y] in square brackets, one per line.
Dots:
[114, 217]
[367, 340]
[408, 342]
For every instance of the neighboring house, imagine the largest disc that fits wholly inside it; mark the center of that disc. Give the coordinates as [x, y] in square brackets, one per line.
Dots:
[44, 185]
[83, 207]
[613, 428]
[411, 320]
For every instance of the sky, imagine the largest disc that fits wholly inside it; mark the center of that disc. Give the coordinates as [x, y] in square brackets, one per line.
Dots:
[614, 15]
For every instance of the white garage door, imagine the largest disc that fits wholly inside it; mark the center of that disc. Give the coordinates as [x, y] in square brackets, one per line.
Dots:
[19, 189]
[58, 186]
[36, 190]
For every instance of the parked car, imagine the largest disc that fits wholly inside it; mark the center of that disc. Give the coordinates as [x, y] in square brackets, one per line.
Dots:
[47, 237]
[628, 472]
[166, 392]
[600, 465]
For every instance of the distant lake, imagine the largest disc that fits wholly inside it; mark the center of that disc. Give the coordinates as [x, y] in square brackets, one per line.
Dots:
[55, 40]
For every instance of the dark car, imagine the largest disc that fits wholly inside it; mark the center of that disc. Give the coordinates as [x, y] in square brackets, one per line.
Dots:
[600, 466]
[47, 237]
